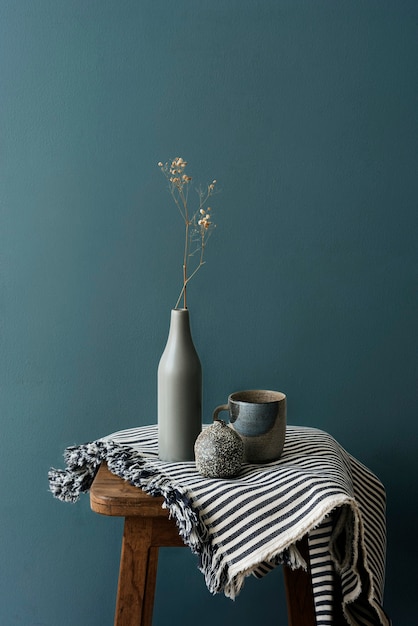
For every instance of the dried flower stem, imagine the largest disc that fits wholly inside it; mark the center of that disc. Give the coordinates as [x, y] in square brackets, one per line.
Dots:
[198, 226]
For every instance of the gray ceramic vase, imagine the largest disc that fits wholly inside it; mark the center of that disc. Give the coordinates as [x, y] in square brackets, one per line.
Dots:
[179, 392]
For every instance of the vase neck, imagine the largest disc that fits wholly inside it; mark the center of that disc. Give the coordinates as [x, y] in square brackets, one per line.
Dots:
[180, 322]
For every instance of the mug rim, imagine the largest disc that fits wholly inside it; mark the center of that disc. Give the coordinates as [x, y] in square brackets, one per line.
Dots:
[278, 396]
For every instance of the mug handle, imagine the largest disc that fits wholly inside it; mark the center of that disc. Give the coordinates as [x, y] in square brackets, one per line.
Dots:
[223, 407]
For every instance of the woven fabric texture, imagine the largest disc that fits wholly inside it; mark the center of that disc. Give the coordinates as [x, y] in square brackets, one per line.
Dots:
[251, 523]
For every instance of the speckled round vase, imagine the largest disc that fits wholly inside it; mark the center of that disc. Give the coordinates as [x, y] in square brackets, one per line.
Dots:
[179, 392]
[219, 451]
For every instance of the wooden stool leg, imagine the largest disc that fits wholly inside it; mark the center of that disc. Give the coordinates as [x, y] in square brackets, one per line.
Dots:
[137, 574]
[299, 596]
[148, 606]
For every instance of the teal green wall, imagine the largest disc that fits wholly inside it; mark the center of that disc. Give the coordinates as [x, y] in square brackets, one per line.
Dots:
[306, 114]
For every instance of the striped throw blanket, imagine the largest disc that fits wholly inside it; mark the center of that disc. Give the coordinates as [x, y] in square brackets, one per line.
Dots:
[250, 524]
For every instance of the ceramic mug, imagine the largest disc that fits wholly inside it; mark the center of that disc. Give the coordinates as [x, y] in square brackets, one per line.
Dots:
[259, 417]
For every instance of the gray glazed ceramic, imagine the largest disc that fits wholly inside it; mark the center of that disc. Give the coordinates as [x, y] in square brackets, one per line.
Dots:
[179, 392]
[259, 417]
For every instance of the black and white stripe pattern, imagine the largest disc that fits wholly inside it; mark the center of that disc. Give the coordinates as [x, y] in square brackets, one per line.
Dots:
[250, 524]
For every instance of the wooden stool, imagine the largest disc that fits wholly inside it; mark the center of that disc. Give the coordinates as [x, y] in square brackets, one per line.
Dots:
[147, 528]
